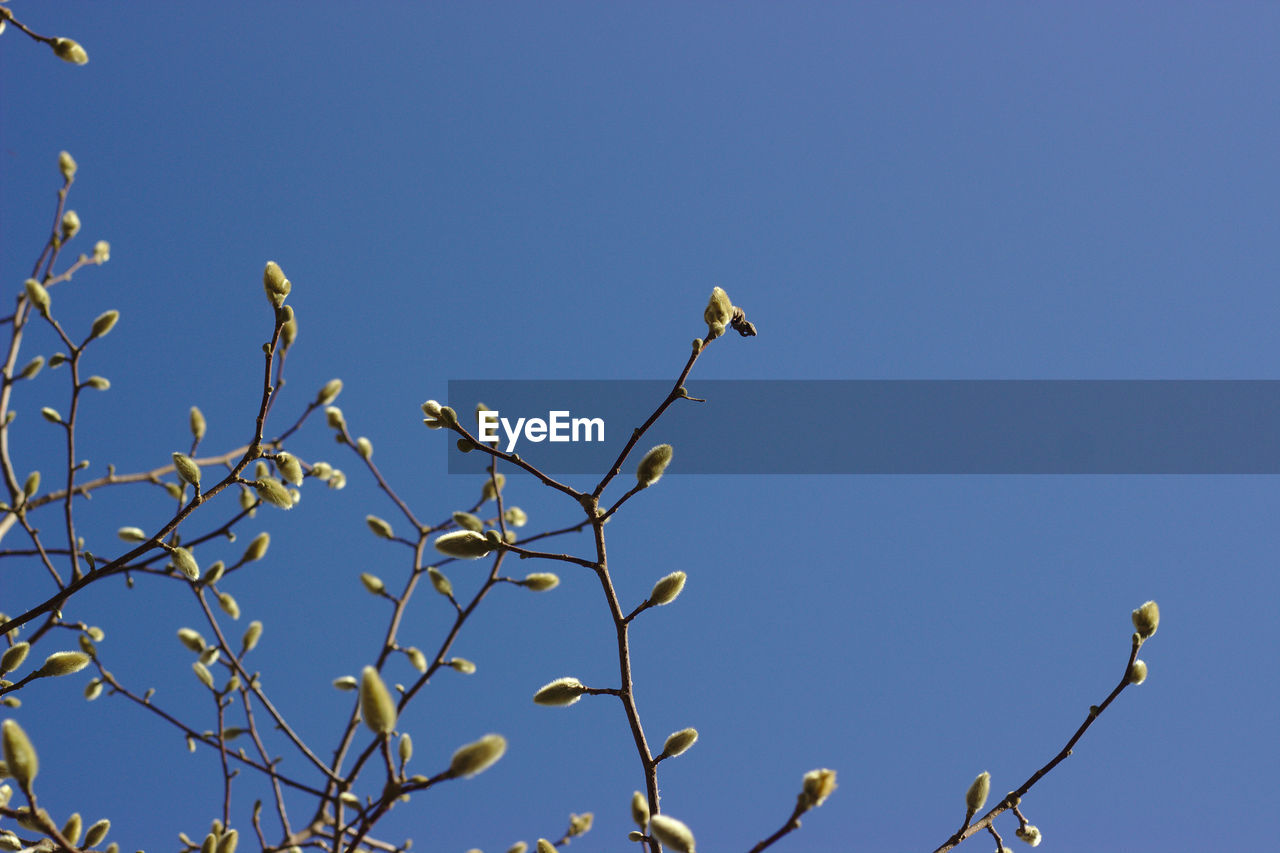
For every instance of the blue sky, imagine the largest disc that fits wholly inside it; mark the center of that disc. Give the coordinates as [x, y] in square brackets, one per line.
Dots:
[550, 191]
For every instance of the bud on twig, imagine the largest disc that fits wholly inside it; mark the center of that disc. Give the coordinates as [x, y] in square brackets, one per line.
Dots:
[380, 528]
[679, 742]
[63, 663]
[38, 295]
[104, 323]
[640, 809]
[275, 284]
[1138, 672]
[187, 468]
[559, 693]
[479, 756]
[540, 581]
[667, 589]
[976, 797]
[465, 544]
[69, 50]
[67, 165]
[816, 787]
[70, 224]
[377, 708]
[672, 833]
[196, 419]
[652, 465]
[19, 754]
[1146, 619]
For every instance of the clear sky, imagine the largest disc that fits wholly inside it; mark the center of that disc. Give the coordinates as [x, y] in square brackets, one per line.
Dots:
[550, 191]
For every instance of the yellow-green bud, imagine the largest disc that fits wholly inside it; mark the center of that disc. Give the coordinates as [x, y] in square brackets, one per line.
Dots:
[333, 417]
[816, 786]
[214, 573]
[329, 392]
[545, 846]
[229, 605]
[540, 581]
[635, 835]
[432, 410]
[373, 583]
[72, 828]
[202, 673]
[1138, 672]
[19, 754]
[97, 833]
[289, 467]
[464, 544]
[67, 165]
[377, 708]
[187, 468]
[405, 748]
[196, 420]
[345, 682]
[63, 663]
[69, 50]
[439, 581]
[1146, 619]
[515, 516]
[518, 847]
[463, 666]
[467, 521]
[679, 742]
[70, 224]
[672, 833]
[976, 797]
[9, 841]
[228, 842]
[580, 824]
[488, 493]
[210, 843]
[416, 658]
[186, 563]
[14, 656]
[104, 323]
[273, 492]
[697, 345]
[275, 284]
[38, 295]
[667, 589]
[210, 655]
[1029, 834]
[51, 415]
[32, 484]
[101, 252]
[31, 368]
[640, 809]
[365, 447]
[562, 691]
[192, 639]
[652, 465]
[379, 527]
[289, 328]
[479, 756]
[257, 548]
[98, 383]
[93, 689]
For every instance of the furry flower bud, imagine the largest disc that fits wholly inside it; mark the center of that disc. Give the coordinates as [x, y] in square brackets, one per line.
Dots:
[101, 252]
[329, 392]
[464, 544]
[540, 581]
[816, 786]
[196, 420]
[373, 583]
[186, 563]
[70, 224]
[672, 833]
[289, 467]
[38, 295]
[667, 589]
[679, 742]
[1138, 672]
[67, 165]
[14, 656]
[69, 50]
[273, 492]
[63, 663]
[257, 548]
[479, 756]
[19, 754]
[381, 529]
[104, 323]
[976, 797]
[1146, 619]
[640, 809]
[187, 468]
[377, 708]
[438, 580]
[275, 284]
[653, 464]
[561, 692]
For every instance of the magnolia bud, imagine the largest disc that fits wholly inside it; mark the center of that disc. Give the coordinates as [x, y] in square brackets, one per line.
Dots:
[468, 521]
[275, 284]
[229, 605]
[104, 323]
[196, 420]
[345, 682]
[93, 689]
[416, 658]
[671, 833]
[580, 824]
[98, 383]
[1146, 619]
[38, 295]
[562, 691]
[51, 415]
[1029, 834]
[69, 51]
[464, 544]
[379, 527]
[377, 708]
[540, 581]
[679, 742]
[32, 484]
[72, 828]
[186, 563]
[479, 756]
[545, 846]
[192, 639]
[463, 666]
[515, 516]
[652, 465]
[101, 252]
[19, 754]
[63, 663]
[667, 589]
[640, 809]
[1138, 672]
[289, 467]
[333, 417]
[70, 224]
[31, 368]
[518, 847]
[817, 785]
[251, 636]
[67, 165]
[329, 392]
[14, 656]
[373, 583]
[97, 833]
[976, 797]
[405, 748]
[439, 581]
[488, 493]
[187, 468]
[257, 548]
[273, 492]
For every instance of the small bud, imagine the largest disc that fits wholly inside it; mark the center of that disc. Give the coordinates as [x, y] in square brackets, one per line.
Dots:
[667, 589]
[72, 828]
[671, 833]
[640, 809]
[488, 493]
[365, 447]
[289, 328]
[101, 252]
[214, 573]
[329, 392]
[192, 639]
[816, 787]
[227, 844]
[377, 708]
[51, 415]
[432, 410]
[463, 666]
[275, 284]
[561, 692]
[104, 323]
[273, 492]
[1138, 672]
[98, 383]
[439, 581]
[19, 754]
[373, 583]
[479, 756]
[679, 742]
[1146, 619]
[257, 548]
[540, 581]
[652, 465]
[67, 165]
[719, 310]
[416, 658]
[196, 420]
[697, 345]
[97, 833]
[69, 51]
[333, 417]
[346, 682]
[515, 516]
[405, 748]
[187, 468]
[229, 605]
[14, 656]
[289, 467]
[580, 824]
[545, 846]
[57, 359]
[63, 663]
[464, 544]
[93, 689]
[210, 655]
[186, 563]
[380, 528]
[467, 521]
[31, 368]
[518, 847]
[976, 797]
[132, 534]
[32, 484]
[70, 224]
[251, 636]
[202, 673]
[1029, 834]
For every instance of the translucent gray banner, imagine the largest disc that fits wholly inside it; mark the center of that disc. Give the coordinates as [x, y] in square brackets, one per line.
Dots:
[887, 426]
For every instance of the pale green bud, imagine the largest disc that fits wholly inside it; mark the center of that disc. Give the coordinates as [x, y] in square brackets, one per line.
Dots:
[19, 754]
[697, 345]
[251, 636]
[561, 692]
[69, 50]
[72, 828]
[464, 544]
[976, 797]
[373, 583]
[57, 359]
[214, 573]
[104, 323]
[202, 673]
[98, 383]
[365, 447]
[70, 224]
[652, 465]
[97, 833]
[405, 748]
[329, 392]
[273, 492]
[86, 645]
[289, 467]
[518, 847]
[672, 833]
[247, 499]
[192, 639]
[186, 563]
[1029, 834]
[31, 368]
[380, 527]
[439, 581]
[488, 493]
[187, 468]
[63, 663]
[14, 656]
[515, 516]
[417, 658]
[173, 490]
[257, 548]
[635, 835]
[96, 634]
[322, 471]
[229, 605]
[1146, 619]
[580, 824]
[289, 328]
[463, 666]
[195, 419]
[38, 295]
[345, 682]
[275, 284]
[101, 252]
[9, 841]
[1138, 672]
[67, 165]
[467, 521]
[228, 842]
[32, 484]
[667, 589]
[210, 843]
[816, 787]
[640, 809]
[479, 756]
[51, 415]
[434, 412]
[337, 480]
[377, 708]
[93, 689]
[679, 742]
[545, 846]
[210, 656]
[540, 581]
